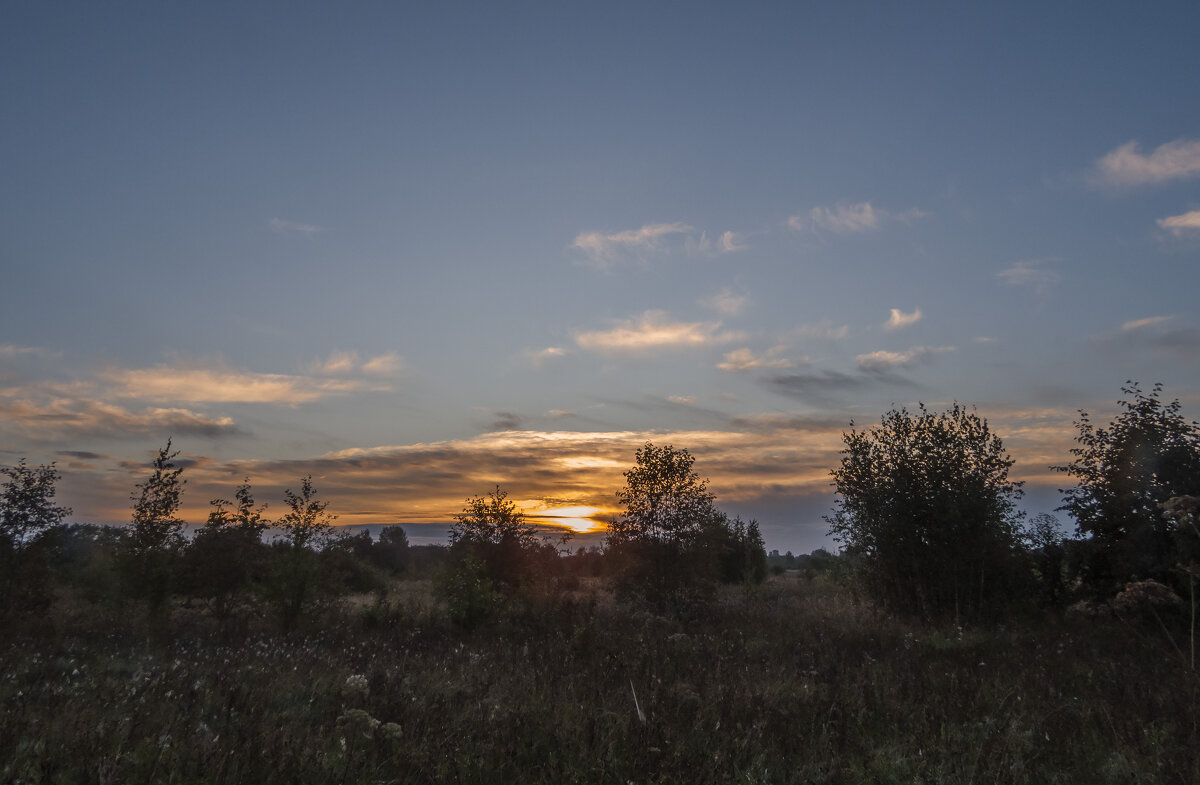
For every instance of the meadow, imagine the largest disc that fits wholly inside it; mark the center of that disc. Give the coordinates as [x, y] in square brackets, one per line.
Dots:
[794, 680]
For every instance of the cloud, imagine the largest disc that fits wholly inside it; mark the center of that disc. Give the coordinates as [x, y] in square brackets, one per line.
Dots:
[1128, 166]
[604, 250]
[726, 302]
[731, 242]
[342, 363]
[899, 319]
[1178, 224]
[1141, 324]
[166, 383]
[683, 400]
[539, 357]
[506, 421]
[746, 360]
[1155, 333]
[72, 419]
[280, 226]
[653, 331]
[886, 362]
[1030, 273]
[851, 218]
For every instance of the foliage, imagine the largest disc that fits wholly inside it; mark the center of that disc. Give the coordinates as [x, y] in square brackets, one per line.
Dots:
[470, 596]
[1044, 542]
[665, 501]
[1123, 473]
[924, 499]
[26, 502]
[226, 557]
[494, 531]
[307, 523]
[735, 548]
[391, 551]
[149, 557]
[155, 504]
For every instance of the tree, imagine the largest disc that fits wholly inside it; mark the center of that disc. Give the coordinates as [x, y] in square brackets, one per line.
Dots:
[155, 504]
[493, 531]
[925, 502]
[306, 523]
[659, 547]
[148, 555]
[26, 503]
[227, 552]
[1123, 473]
[665, 501]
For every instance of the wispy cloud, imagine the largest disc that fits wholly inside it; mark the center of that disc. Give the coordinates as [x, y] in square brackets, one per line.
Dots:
[72, 419]
[726, 302]
[851, 218]
[731, 242]
[654, 330]
[899, 320]
[280, 226]
[1031, 273]
[1179, 224]
[746, 360]
[682, 400]
[539, 357]
[1168, 334]
[605, 250]
[1128, 166]
[340, 363]
[885, 362]
[196, 384]
[1141, 324]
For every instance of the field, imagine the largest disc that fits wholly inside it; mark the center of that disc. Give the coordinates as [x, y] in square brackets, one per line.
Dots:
[792, 681]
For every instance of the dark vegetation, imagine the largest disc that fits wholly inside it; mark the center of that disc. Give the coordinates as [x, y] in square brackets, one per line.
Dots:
[950, 640]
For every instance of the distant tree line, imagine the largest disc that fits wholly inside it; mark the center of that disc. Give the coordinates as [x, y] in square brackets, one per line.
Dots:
[925, 510]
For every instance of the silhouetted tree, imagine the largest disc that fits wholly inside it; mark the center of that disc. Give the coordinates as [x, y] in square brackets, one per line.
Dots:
[925, 501]
[155, 536]
[493, 531]
[306, 524]
[657, 546]
[27, 511]
[391, 550]
[227, 553]
[27, 502]
[1123, 473]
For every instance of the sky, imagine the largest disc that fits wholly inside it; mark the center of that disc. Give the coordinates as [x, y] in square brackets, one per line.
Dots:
[421, 250]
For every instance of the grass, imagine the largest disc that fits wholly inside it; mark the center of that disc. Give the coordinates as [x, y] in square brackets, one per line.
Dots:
[792, 682]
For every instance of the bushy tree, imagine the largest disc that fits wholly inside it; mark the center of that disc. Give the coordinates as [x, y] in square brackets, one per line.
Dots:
[27, 502]
[665, 548]
[227, 554]
[493, 531]
[665, 501]
[307, 523]
[1123, 473]
[925, 502]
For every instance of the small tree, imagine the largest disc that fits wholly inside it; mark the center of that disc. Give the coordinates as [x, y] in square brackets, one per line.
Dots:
[155, 535]
[226, 553]
[306, 524]
[26, 502]
[925, 501]
[1123, 473]
[493, 531]
[658, 547]
[155, 504]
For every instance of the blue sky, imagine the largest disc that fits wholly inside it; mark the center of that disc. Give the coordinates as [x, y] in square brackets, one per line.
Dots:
[418, 251]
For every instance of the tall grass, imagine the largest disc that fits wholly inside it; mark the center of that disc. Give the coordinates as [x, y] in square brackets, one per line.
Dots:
[792, 682]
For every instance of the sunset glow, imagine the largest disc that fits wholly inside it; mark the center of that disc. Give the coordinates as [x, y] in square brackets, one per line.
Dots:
[418, 253]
